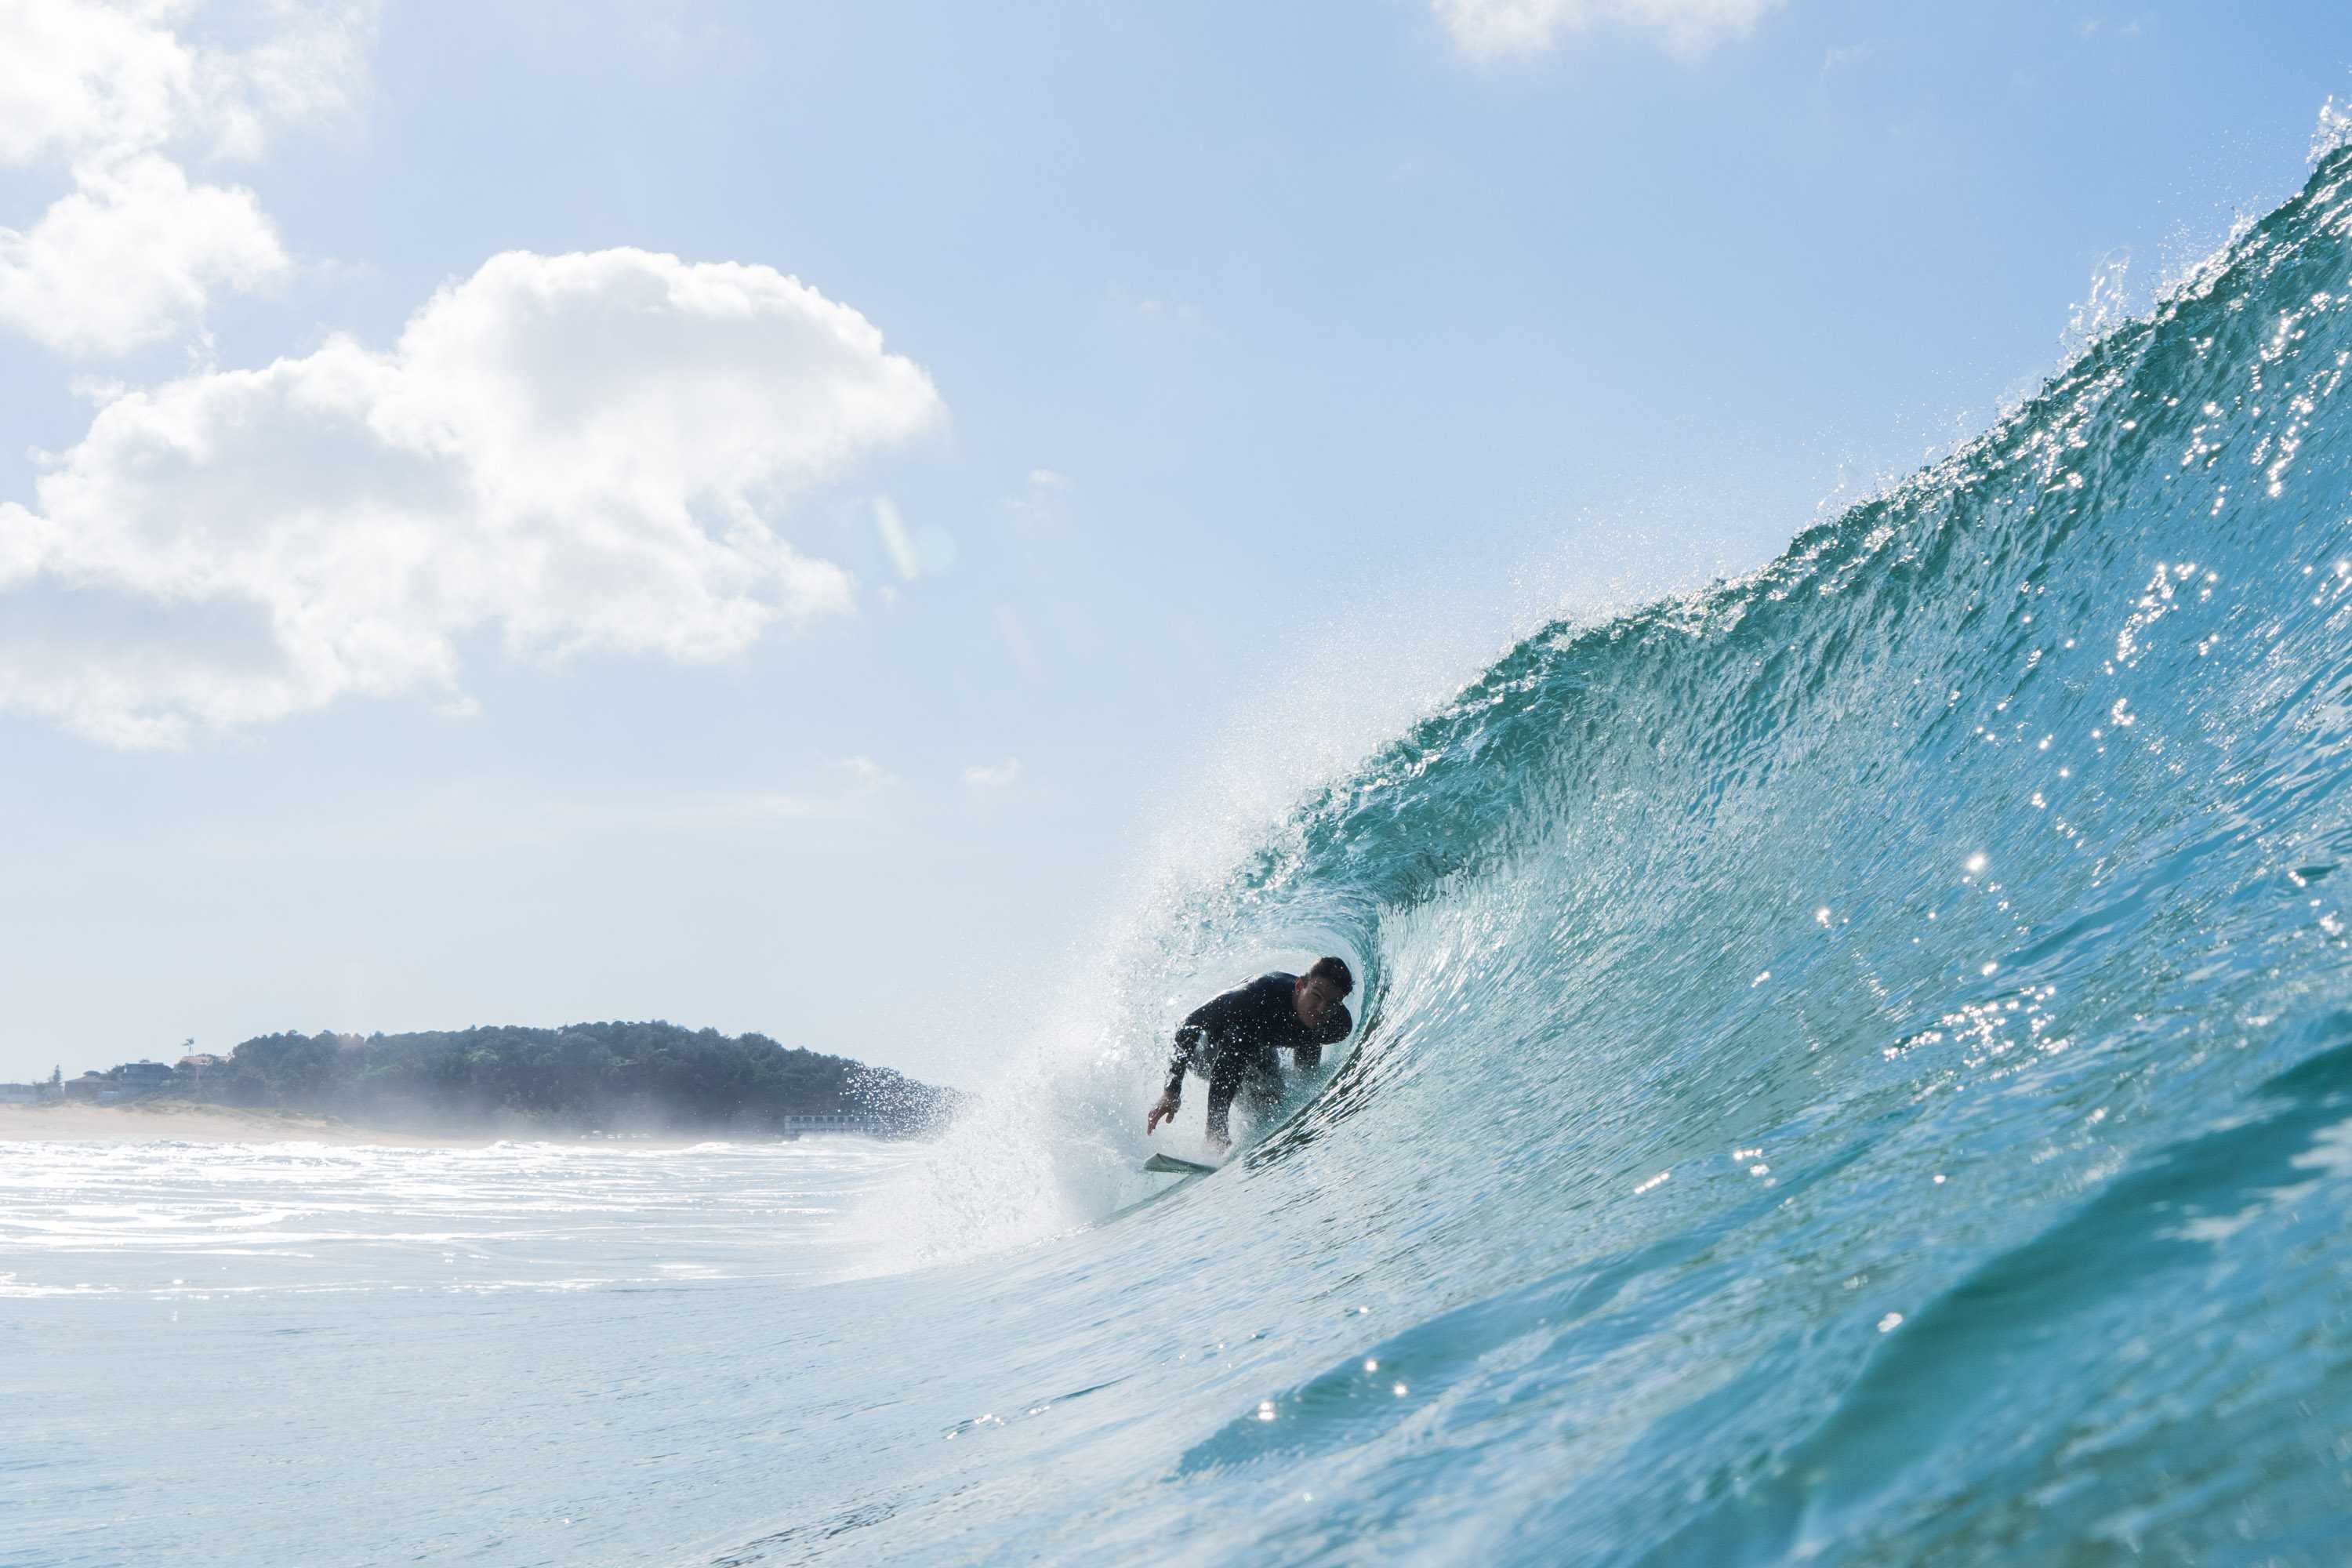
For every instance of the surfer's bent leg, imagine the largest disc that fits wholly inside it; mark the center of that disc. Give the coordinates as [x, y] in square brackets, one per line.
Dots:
[1225, 1075]
[1262, 1087]
[1256, 1075]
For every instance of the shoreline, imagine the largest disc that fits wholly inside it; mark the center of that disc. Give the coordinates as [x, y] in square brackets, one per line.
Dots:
[152, 1121]
[181, 1121]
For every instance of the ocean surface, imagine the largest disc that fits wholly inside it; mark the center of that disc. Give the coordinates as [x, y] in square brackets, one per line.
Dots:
[303, 1353]
[1855, 1068]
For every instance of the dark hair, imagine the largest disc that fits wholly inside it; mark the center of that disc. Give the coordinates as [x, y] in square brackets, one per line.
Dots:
[1334, 970]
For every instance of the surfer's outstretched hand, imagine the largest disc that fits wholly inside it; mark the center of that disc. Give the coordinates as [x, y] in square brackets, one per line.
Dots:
[1163, 1111]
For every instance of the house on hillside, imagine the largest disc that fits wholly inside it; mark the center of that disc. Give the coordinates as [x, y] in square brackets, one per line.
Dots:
[195, 1069]
[136, 1078]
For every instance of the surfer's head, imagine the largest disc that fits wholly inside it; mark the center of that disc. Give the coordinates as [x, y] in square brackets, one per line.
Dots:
[1321, 987]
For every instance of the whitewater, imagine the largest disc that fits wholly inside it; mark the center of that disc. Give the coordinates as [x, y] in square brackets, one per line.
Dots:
[1855, 1066]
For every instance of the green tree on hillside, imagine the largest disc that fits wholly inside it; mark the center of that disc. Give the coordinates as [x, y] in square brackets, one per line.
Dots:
[580, 1077]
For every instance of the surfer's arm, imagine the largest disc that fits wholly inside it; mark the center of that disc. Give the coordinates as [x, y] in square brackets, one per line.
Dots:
[1189, 1055]
[1182, 1057]
[1185, 1056]
[1211, 1020]
[1195, 1041]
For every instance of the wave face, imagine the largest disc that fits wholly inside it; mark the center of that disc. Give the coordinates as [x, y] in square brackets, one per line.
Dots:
[1857, 1063]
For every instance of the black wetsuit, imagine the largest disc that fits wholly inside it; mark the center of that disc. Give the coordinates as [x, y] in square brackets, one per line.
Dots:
[1230, 1041]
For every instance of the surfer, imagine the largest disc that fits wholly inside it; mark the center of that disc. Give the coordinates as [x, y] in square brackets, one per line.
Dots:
[1230, 1040]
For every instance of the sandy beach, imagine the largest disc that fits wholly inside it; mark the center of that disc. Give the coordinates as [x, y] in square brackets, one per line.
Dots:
[160, 1119]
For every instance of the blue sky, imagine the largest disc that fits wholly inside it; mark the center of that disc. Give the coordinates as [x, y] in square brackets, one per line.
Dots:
[772, 516]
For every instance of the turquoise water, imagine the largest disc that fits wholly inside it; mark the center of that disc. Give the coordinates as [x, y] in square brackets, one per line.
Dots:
[1856, 1069]
[1857, 1064]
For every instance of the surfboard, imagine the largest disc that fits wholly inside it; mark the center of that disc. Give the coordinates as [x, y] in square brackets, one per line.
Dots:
[1170, 1165]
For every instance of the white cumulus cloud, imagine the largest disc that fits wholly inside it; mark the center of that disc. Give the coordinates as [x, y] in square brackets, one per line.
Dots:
[573, 452]
[131, 258]
[1489, 29]
[82, 79]
[115, 93]
[78, 75]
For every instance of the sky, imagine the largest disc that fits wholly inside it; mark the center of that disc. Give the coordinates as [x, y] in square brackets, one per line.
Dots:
[772, 516]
